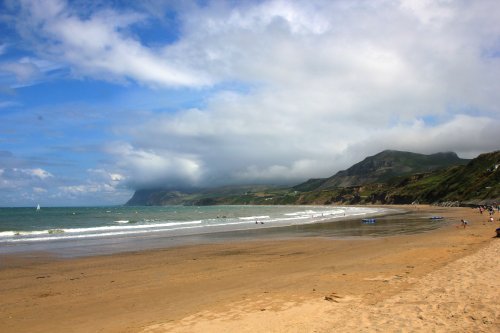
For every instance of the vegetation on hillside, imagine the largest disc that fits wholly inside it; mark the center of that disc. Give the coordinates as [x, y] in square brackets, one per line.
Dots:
[383, 167]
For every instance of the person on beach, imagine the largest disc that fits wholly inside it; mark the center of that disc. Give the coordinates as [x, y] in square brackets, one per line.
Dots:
[464, 223]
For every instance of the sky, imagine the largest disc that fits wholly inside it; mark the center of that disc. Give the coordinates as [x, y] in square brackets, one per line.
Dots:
[101, 98]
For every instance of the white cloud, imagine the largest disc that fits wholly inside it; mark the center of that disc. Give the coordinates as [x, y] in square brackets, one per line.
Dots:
[24, 178]
[330, 84]
[429, 11]
[27, 186]
[23, 70]
[153, 168]
[99, 187]
[466, 135]
[116, 177]
[39, 190]
[85, 189]
[313, 86]
[99, 46]
[40, 173]
[278, 173]
[24, 174]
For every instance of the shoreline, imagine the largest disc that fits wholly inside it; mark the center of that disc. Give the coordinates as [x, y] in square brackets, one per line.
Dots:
[93, 246]
[210, 287]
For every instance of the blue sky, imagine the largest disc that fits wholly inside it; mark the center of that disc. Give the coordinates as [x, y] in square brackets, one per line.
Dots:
[100, 99]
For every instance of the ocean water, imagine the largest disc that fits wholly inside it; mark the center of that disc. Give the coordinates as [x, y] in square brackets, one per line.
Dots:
[94, 230]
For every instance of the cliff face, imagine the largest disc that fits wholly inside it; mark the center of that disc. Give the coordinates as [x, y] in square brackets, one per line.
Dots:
[157, 197]
[197, 197]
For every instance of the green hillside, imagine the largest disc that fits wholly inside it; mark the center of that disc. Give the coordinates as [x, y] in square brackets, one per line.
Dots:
[477, 182]
[382, 167]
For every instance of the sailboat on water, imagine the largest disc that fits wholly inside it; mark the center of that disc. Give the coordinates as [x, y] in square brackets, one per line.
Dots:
[37, 207]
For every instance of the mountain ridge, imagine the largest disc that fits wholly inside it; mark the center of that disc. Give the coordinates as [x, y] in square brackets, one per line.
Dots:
[383, 166]
[389, 177]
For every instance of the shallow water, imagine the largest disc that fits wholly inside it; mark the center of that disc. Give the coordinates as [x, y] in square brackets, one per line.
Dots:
[69, 232]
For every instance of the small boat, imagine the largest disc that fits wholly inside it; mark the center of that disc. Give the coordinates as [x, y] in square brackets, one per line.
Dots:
[37, 207]
[368, 221]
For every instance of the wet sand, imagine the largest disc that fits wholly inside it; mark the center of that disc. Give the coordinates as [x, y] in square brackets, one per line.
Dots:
[443, 280]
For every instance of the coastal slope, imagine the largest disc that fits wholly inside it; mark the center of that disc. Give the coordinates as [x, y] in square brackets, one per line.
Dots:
[385, 166]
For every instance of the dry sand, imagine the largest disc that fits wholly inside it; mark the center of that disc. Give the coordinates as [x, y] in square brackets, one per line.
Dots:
[440, 281]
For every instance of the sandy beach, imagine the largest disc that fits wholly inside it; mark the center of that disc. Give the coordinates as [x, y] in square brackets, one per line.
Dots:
[438, 281]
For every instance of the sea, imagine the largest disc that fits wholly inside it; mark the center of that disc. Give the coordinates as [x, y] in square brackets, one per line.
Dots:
[81, 231]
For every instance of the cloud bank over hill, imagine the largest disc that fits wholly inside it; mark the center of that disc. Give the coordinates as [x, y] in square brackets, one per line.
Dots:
[263, 92]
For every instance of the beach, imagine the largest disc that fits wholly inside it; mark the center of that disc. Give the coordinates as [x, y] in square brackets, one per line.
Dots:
[438, 281]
